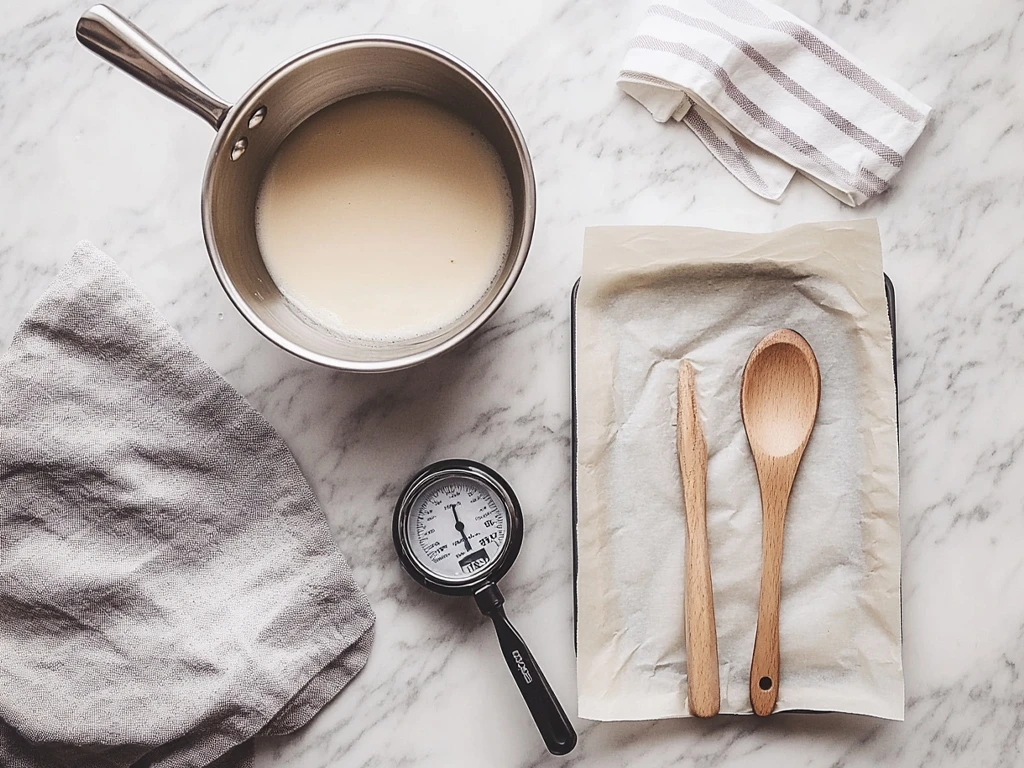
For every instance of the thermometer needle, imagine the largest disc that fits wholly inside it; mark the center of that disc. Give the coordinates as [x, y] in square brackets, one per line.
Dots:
[461, 528]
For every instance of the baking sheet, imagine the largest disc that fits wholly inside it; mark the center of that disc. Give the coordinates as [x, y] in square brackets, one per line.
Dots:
[840, 613]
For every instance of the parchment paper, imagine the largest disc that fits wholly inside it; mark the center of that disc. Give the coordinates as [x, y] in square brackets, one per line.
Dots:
[650, 296]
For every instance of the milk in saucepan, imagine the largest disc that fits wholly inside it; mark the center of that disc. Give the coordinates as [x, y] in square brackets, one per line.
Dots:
[384, 216]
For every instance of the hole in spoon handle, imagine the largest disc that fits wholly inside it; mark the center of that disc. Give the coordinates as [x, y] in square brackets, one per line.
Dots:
[764, 670]
[764, 675]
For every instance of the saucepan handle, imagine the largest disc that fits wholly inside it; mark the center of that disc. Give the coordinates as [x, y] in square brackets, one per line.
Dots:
[106, 32]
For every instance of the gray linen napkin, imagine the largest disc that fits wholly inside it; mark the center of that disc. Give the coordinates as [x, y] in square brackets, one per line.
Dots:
[169, 587]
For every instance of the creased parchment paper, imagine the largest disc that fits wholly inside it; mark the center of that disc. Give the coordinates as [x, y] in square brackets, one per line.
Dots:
[650, 296]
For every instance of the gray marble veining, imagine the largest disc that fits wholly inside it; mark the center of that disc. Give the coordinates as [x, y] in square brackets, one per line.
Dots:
[87, 153]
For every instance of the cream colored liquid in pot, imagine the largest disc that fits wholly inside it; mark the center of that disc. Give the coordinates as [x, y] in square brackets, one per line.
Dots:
[384, 216]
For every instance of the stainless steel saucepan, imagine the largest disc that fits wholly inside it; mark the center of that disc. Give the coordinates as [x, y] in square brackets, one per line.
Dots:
[251, 130]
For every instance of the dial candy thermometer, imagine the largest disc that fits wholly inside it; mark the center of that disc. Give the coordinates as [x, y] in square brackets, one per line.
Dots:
[452, 547]
[458, 528]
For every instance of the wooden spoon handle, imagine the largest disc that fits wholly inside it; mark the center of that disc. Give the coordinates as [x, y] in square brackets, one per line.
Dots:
[702, 681]
[764, 666]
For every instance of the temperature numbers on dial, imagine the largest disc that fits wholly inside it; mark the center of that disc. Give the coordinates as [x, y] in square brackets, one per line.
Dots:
[457, 527]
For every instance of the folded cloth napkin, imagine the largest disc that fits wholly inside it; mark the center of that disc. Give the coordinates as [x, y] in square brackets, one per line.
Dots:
[769, 95]
[169, 587]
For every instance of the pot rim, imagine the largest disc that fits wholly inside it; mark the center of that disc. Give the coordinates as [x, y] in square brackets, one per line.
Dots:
[248, 100]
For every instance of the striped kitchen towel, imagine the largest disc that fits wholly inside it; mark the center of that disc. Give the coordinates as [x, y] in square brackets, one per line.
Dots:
[769, 95]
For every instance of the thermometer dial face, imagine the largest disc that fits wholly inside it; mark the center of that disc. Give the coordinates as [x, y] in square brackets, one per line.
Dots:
[457, 527]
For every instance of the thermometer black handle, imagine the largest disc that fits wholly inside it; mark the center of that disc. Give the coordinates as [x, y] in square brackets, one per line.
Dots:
[554, 726]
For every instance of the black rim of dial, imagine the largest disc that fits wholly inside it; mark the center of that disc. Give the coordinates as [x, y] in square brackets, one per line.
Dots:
[464, 469]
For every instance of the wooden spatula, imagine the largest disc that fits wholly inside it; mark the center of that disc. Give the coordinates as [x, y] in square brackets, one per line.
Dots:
[779, 403]
[701, 638]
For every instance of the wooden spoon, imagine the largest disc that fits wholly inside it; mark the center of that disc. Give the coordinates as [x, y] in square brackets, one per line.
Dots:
[703, 689]
[779, 402]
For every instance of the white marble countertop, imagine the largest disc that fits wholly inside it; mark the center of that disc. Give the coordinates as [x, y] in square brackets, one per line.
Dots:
[88, 153]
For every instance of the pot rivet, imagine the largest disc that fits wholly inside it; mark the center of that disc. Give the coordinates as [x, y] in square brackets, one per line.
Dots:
[239, 149]
[257, 117]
